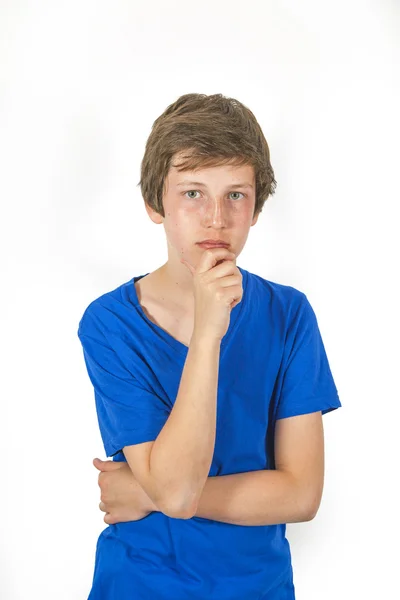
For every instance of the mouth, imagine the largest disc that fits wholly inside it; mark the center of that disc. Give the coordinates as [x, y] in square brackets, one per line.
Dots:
[213, 244]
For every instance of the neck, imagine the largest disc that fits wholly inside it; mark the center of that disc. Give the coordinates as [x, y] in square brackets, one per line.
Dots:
[177, 284]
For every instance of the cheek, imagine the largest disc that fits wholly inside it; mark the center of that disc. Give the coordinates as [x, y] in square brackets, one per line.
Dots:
[178, 226]
[180, 219]
[243, 219]
[248, 217]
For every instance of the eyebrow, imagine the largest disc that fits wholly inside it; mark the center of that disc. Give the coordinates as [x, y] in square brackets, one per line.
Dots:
[199, 183]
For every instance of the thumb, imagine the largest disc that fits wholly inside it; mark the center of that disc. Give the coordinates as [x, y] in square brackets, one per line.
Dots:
[188, 265]
[106, 465]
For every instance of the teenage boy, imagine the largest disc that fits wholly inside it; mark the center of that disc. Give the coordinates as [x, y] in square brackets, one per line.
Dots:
[210, 381]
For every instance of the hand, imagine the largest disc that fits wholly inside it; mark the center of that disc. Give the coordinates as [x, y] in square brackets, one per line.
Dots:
[217, 289]
[122, 498]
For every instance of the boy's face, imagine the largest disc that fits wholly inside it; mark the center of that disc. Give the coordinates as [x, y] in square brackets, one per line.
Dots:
[218, 209]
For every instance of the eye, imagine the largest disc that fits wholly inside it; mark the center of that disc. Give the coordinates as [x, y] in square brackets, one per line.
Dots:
[189, 192]
[191, 198]
[237, 193]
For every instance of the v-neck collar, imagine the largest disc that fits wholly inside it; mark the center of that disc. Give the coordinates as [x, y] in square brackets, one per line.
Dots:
[167, 337]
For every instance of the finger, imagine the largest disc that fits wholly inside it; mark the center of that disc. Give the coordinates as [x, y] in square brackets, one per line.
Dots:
[188, 265]
[97, 463]
[107, 465]
[213, 256]
[109, 519]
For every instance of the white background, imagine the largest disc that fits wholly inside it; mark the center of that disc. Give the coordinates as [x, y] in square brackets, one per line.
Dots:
[81, 83]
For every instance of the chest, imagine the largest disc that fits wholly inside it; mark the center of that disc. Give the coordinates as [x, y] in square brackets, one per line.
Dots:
[174, 321]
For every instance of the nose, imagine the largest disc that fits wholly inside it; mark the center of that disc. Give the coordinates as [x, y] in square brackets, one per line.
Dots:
[216, 212]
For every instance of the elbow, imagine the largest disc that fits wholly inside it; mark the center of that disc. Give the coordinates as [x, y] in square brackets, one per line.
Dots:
[178, 510]
[311, 509]
[172, 504]
[178, 513]
[309, 515]
[312, 496]
[183, 514]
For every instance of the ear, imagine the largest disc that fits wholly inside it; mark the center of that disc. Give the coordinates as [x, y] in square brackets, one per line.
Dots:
[154, 215]
[255, 219]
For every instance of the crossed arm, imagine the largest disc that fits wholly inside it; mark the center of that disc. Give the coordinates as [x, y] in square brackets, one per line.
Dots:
[289, 494]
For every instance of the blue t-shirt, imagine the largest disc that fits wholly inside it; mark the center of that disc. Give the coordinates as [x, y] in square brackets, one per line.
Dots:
[272, 365]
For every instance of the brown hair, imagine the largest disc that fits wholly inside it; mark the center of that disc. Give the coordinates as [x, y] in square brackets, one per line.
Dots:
[213, 130]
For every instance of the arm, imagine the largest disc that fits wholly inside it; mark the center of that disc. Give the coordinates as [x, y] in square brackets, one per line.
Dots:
[253, 498]
[290, 494]
[177, 463]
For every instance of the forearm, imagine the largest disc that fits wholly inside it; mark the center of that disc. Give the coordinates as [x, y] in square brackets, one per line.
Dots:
[182, 453]
[265, 497]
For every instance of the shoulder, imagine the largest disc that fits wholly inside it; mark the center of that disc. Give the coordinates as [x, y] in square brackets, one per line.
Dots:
[103, 310]
[279, 297]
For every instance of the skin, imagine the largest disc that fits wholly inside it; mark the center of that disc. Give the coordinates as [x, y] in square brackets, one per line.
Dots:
[193, 213]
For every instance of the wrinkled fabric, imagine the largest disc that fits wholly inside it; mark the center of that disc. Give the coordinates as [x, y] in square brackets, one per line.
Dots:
[273, 365]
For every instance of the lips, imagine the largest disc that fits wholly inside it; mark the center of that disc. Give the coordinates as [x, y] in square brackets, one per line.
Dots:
[214, 243]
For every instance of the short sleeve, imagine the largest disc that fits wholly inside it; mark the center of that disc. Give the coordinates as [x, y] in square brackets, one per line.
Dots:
[127, 412]
[308, 384]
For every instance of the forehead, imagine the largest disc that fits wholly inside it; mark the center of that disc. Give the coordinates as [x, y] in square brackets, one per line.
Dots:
[244, 173]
